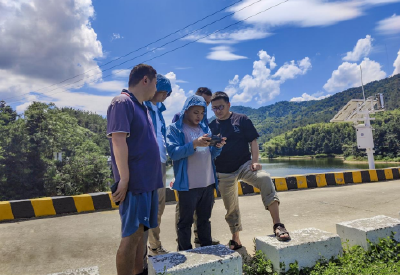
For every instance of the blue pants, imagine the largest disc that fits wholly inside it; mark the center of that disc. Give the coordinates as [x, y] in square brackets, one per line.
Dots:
[201, 200]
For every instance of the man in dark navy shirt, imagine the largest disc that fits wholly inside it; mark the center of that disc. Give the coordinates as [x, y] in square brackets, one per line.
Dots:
[237, 163]
[136, 166]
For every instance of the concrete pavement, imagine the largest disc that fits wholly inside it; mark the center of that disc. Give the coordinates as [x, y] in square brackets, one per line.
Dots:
[51, 245]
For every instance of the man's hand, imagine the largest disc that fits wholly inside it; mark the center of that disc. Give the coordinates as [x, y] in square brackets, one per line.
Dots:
[223, 142]
[120, 194]
[255, 166]
[203, 141]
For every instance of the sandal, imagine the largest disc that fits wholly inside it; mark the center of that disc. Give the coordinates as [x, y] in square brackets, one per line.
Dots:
[281, 231]
[236, 246]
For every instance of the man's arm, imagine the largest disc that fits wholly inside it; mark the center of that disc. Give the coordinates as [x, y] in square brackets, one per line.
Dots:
[254, 156]
[120, 148]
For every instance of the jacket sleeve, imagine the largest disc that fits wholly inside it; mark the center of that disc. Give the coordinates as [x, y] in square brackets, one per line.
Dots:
[215, 152]
[175, 149]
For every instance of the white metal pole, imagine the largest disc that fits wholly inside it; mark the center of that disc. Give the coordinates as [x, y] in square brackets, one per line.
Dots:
[371, 161]
[362, 85]
[370, 151]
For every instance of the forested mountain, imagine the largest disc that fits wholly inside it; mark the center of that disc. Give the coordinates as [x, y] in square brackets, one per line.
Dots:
[339, 138]
[278, 118]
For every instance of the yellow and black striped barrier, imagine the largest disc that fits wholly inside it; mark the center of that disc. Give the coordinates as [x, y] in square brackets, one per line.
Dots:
[314, 181]
[25, 209]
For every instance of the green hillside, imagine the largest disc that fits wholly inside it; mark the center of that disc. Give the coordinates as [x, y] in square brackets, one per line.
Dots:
[278, 118]
[339, 138]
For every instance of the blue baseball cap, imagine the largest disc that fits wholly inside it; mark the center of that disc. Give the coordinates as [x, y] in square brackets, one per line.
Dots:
[163, 84]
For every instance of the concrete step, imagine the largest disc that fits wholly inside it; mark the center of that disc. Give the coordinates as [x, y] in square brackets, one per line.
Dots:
[208, 260]
[356, 232]
[306, 247]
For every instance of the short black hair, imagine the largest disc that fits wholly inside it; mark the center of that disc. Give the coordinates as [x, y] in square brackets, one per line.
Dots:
[220, 95]
[140, 71]
[203, 91]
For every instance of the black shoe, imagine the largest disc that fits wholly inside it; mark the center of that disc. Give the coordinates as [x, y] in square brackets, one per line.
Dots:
[214, 241]
[145, 272]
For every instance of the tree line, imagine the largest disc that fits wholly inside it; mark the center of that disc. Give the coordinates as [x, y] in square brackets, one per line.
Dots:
[29, 144]
[339, 138]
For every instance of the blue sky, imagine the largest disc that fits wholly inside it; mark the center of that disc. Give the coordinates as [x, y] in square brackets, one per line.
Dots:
[299, 50]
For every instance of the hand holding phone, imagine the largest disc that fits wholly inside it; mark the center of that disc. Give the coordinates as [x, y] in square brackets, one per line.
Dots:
[215, 140]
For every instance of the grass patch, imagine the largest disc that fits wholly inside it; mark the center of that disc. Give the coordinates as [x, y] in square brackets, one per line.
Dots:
[382, 259]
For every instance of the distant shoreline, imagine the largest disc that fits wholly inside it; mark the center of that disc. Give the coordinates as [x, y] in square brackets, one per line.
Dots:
[302, 157]
[337, 157]
[366, 161]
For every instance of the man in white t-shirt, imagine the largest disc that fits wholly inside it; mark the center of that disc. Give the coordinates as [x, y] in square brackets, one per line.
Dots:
[156, 107]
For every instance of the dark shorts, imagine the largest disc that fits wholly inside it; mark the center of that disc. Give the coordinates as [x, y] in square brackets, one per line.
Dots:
[138, 209]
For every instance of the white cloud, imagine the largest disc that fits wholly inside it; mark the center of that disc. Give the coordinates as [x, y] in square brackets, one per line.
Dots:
[180, 81]
[174, 103]
[361, 49]
[78, 100]
[235, 80]
[304, 13]
[389, 25]
[223, 53]
[116, 36]
[21, 108]
[348, 75]
[262, 86]
[110, 86]
[292, 70]
[123, 73]
[182, 68]
[396, 64]
[307, 97]
[61, 44]
[230, 37]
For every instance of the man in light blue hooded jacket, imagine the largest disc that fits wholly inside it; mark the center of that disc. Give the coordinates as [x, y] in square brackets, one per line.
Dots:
[188, 145]
[156, 108]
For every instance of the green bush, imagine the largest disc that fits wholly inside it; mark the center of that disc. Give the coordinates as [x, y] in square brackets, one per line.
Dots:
[382, 259]
[28, 142]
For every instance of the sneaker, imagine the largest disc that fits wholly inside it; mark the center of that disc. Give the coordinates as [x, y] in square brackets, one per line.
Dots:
[214, 241]
[157, 251]
[145, 272]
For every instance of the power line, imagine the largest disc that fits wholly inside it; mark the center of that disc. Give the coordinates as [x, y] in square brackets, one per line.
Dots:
[215, 21]
[191, 42]
[167, 43]
[141, 48]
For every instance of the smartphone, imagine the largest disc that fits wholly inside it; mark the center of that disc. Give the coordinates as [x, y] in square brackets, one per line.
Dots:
[114, 188]
[215, 140]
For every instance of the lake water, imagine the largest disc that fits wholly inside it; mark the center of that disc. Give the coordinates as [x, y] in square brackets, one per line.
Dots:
[282, 168]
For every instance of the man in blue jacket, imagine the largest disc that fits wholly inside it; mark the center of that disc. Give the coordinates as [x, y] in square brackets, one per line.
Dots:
[156, 107]
[188, 145]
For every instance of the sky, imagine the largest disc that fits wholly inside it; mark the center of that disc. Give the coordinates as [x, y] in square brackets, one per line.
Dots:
[78, 53]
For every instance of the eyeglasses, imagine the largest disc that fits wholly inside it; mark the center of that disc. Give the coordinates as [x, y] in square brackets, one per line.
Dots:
[218, 108]
[169, 93]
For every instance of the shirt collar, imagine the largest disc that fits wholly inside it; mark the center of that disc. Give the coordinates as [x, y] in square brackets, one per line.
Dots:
[124, 91]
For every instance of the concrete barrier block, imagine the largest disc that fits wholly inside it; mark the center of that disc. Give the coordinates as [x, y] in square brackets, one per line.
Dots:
[306, 247]
[208, 260]
[357, 232]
